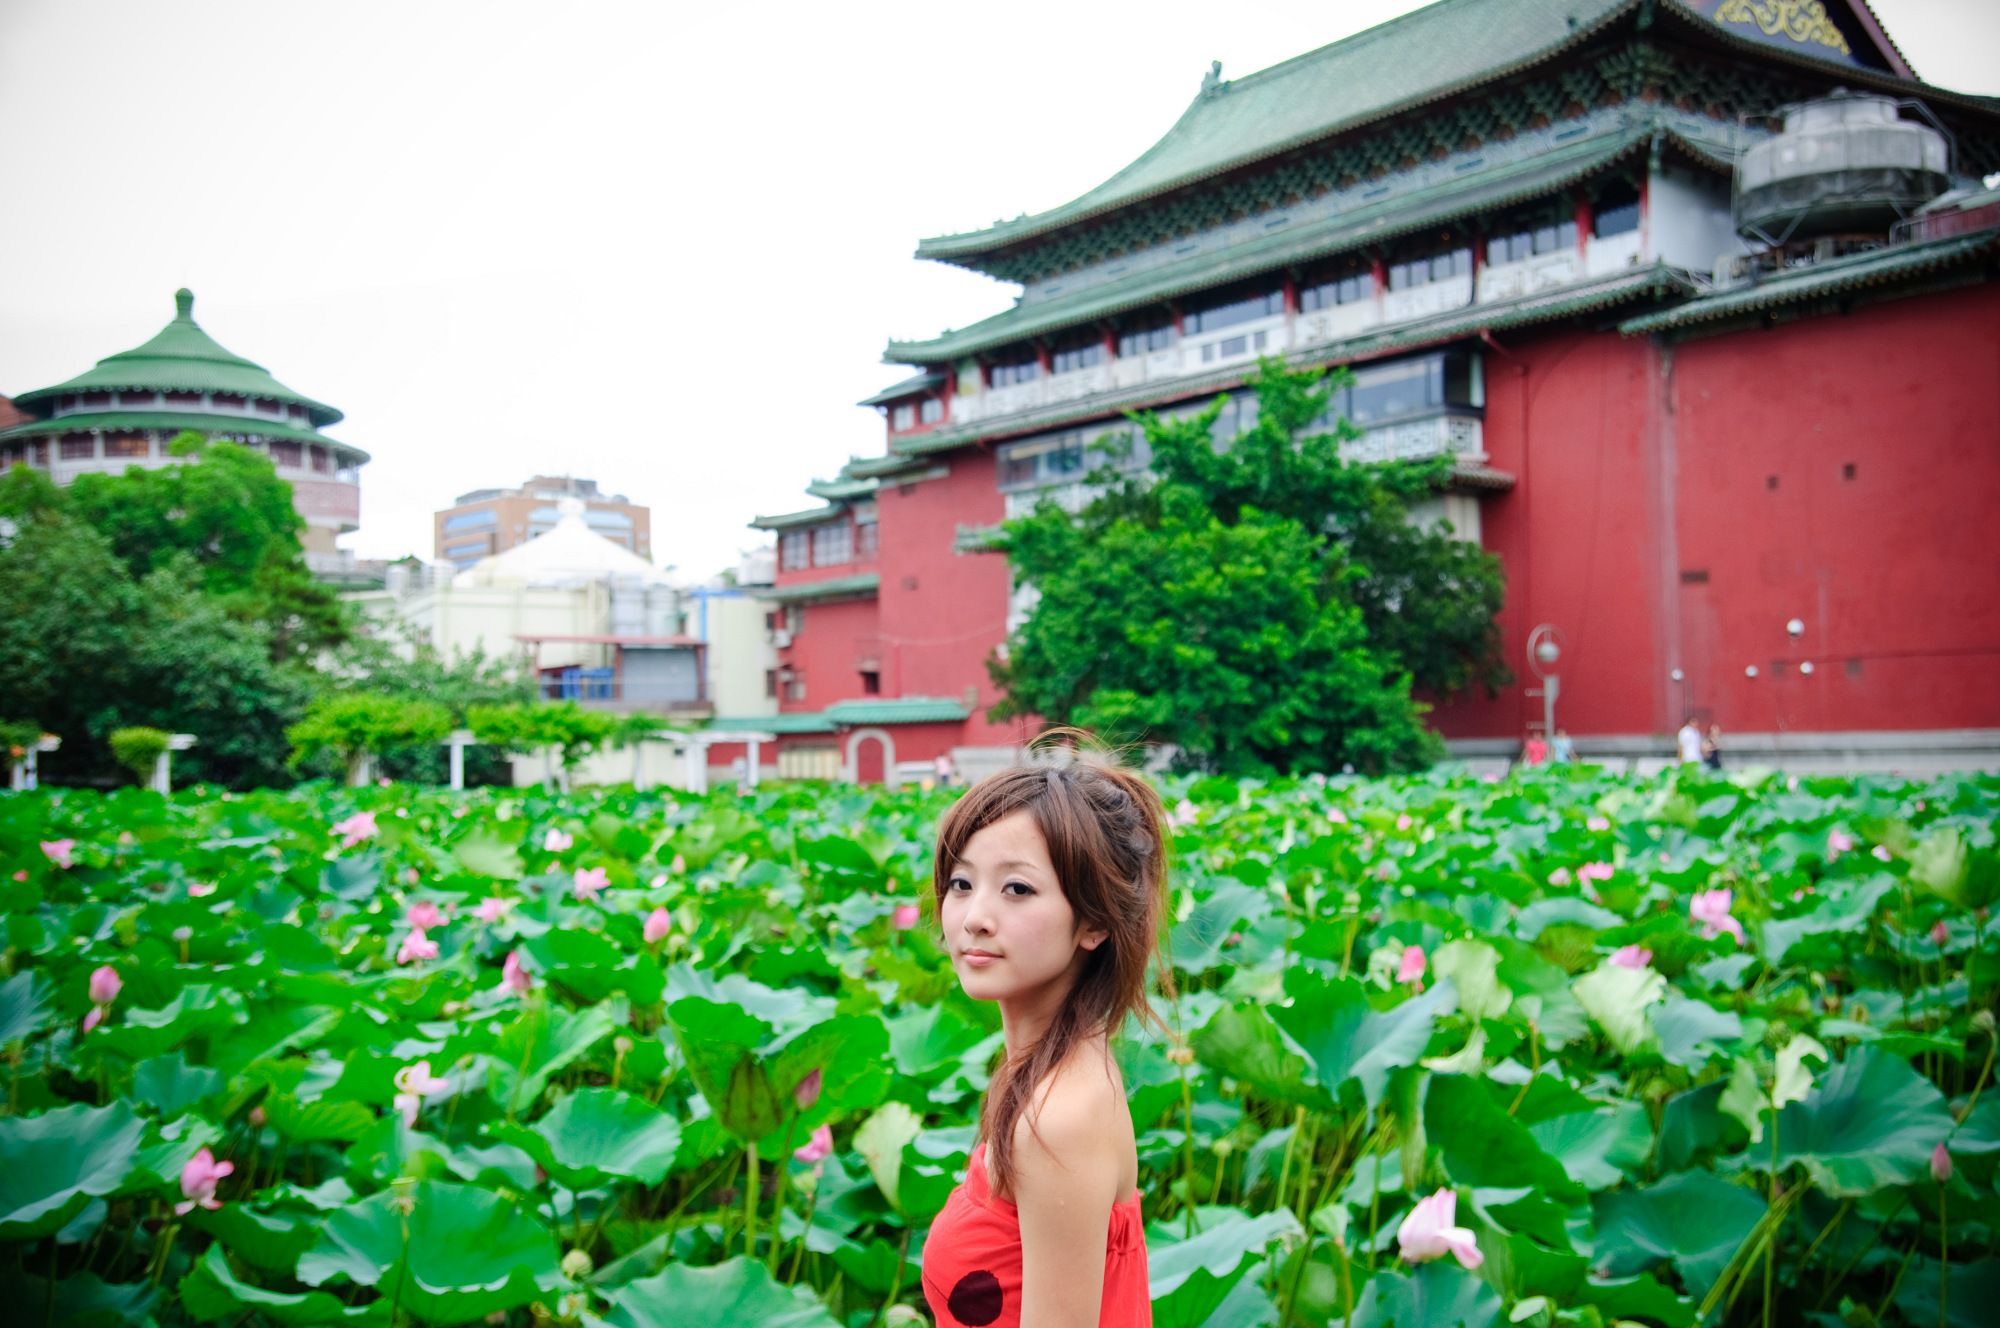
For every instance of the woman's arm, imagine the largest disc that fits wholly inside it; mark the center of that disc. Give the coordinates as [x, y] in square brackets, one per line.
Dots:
[1065, 1183]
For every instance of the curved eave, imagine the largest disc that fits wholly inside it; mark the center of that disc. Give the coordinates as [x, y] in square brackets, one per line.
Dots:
[786, 520]
[150, 374]
[966, 248]
[1388, 219]
[228, 426]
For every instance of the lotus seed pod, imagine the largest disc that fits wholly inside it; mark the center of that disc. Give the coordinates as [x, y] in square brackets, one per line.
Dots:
[576, 1265]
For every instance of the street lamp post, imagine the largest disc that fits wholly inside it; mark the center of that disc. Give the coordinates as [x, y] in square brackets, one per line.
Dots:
[1545, 644]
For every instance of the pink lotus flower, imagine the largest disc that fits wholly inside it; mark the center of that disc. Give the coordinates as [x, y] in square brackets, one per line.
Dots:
[1184, 814]
[1413, 964]
[95, 1017]
[1881, 853]
[1404, 822]
[424, 915]
[586, 884]
[355, 828]
[1599, 823]
[200, 889]
[658, 923]
[678, 865]
[259, 1117]
[20, 876]
[1560, 876]
[59, 851]
[1595, 871]
[415, 1083]
[817, 1147]
[557, 842]
[1838, 842]
[513, 977]
[1940, 1164]
[198, 1181]
[1337, 816]
[416, 946]
[905, 917]
[1631, 956]
[1429, 1232]
[1711, 909]
[491, 907]
[807, 1092]
[105, 985]
[1940, 934]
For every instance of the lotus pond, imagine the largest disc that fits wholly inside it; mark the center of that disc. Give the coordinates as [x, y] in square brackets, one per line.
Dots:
[1563, 1049]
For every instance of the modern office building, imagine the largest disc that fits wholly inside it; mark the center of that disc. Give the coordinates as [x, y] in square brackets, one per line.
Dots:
[1699, 297]
[126, 410]
[489, 521]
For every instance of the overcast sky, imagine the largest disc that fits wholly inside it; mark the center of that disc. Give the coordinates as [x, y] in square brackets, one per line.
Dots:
[660, 246]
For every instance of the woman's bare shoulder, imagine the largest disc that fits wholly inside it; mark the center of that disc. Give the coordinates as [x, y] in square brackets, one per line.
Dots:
[1080, 1106]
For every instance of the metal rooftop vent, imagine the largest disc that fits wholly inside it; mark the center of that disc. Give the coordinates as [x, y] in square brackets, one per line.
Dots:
[1849, 164]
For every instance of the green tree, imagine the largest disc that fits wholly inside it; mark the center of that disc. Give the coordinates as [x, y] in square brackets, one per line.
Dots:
[539, 726]
[1263, 604]
[353, 726]
[393, 660]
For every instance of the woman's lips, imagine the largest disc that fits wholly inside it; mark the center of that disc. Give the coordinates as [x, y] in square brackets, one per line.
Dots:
[977, 959]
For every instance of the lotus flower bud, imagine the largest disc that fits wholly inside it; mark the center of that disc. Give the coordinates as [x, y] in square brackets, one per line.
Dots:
[576, 1265]
[807, 1092]
[1940, 1164]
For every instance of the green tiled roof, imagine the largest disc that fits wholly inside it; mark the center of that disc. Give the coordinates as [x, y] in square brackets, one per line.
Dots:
[175, 420]
[842, 488]
[181, 358]
[810, 516]
[908, 387]
[1402, 65]
[1836, 276]
[1540, 307]
[803, 721]
[833, 587]
[897, 710]
[1384, 219]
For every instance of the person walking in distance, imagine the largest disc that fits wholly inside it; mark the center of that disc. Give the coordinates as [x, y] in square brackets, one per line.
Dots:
[1690, 740]
[1711, 747]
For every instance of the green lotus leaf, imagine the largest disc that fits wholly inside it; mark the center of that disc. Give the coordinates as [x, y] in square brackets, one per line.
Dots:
[270, 1240]
[459, 1253]
[172, 1086]
[212, 1292]
[736, 1291]
[1638, 1298]
[1344, 1037]
[1598, 1148]
[1871, 1121]
[1481, 1145]
[24, 1005]
[880, 1142]
[1616, 999]
[1474, 969]
[78, 1300]
[544, 1039]
[1696, 1220]
[1691, 1032]
[138, 1034]
[1844, 909]
[52, 1164]
[597, 1133]
[483, 853]
[1188, 1279]
[1197, 942]
[1437, 1294]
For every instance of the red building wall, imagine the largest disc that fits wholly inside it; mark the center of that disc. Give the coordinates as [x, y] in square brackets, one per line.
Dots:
[831, 641]
[944, 612]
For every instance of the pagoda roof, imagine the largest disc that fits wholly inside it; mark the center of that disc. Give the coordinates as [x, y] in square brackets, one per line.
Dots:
[1835, 276]
[909, 387]
[860, 585]
[211, 423]
[1384, 219]
[808, 517]
[1537, 307]
[181, 358]
[1402, 65]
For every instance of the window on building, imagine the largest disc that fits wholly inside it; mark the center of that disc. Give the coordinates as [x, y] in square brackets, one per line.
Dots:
[38, 452]
[1229, 308]
[903, 417]
[1545, 228]
[871, 683]
[771, 683]
[125, 445]
[96, 399]
[795, 687]
[1344, 282]
[1015, 371]
[229, 399]
[479, 520]
[930, 410]
[1147, 339]
[268, 406]
[832, 544]
[138, 398]
[1080, 351]
[1422, 384]
[867, 539]
[1617, 209]
[11, 454]
[795, 550]
[319, 461]
[78, 447]
[286, 453]
[184, 399]
[1436, 258]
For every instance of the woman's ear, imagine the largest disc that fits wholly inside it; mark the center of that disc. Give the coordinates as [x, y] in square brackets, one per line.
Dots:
[1092, 937]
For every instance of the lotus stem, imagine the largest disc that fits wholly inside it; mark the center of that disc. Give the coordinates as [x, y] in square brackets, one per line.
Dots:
[750, 1204]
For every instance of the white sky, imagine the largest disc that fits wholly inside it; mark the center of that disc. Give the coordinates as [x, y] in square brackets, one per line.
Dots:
[661, 246]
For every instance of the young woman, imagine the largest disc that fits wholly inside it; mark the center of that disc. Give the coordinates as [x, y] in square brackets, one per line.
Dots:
[1050, 883]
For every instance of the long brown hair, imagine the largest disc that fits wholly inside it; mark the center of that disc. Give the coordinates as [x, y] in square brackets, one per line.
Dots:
[1107, 839]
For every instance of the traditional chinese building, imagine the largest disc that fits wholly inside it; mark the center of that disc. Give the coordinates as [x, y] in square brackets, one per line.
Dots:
[1700, 298]
[126, 410]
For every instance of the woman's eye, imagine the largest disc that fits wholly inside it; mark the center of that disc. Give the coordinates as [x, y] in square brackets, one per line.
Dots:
[1023, 886]
[957, 881]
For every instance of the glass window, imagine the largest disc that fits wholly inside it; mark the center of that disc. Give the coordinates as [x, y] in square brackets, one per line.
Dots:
[903, 417]
[1020, 371]
[1229, 310]
[78, 447]
[125, 445]
[1617, 210]
[832, 544]
[286, 453]
[867, 539]
[192, 399]
[1383, 391]
[479, 520]
[138, 398]
[319, 458]
[931, 411]
[1145, 340]
[1354, 285]
[100, 398]
[1075, 357]
[794, 550]
[228, 399]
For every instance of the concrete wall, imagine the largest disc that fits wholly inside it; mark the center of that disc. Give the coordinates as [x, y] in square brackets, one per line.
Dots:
[739, 649]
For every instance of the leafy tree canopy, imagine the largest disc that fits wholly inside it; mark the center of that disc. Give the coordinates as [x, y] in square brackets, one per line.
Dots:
[1263, 604]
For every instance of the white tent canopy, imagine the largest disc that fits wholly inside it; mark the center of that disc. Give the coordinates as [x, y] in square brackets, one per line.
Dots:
[569, 553]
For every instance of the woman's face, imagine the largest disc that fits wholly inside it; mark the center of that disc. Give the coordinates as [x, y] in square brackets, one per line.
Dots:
[1003, 898]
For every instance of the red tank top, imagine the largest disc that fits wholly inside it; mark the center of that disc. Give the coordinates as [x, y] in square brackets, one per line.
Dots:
[972, 1260]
